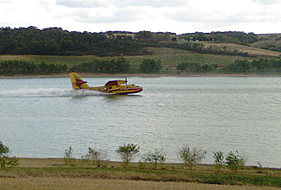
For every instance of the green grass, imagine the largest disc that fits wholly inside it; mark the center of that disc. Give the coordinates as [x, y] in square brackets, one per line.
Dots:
[169, 57]
[268, 41]
[56, 168]
[68, 60]
[164, 175]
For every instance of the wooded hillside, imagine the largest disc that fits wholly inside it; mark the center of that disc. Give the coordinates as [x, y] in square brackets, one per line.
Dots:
[56, 41]
[31, 51]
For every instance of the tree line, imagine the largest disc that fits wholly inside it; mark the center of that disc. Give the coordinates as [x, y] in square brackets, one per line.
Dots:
[122, 65]
[117, 65]
[262, 65]
[21, 67]
[111, 66]
[235, 37]
[56, 41]
[239, 66]
[127, 152]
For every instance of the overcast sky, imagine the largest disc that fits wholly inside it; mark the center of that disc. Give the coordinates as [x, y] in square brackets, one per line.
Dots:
[179, 16]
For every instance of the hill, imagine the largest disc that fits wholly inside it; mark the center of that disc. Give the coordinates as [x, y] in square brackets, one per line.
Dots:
[56, 41]
[252, 50]
[65, 51]
[269, 42]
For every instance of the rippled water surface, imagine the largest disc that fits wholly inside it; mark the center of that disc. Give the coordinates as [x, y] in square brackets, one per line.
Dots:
[43, 117]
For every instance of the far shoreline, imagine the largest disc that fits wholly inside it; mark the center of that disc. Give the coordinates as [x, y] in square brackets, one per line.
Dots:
[45, 161]
[104, 75]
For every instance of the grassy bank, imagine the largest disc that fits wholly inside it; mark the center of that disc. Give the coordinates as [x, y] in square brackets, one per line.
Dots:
[204, 174]
[169, 57]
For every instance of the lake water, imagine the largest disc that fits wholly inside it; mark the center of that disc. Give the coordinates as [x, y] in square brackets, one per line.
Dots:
[42, 117]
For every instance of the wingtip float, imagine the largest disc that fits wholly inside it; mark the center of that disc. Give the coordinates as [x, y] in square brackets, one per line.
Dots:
[111, 87]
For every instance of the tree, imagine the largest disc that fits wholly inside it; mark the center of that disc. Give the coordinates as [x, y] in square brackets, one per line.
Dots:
[190, 156]
[119, 65]
[95, 156]
[127, 152]
[219, 157]
[150, 66]
[5, 160]
[155, 157]
[68, 158]
[234, 161]
[189, 67]
[240, 66]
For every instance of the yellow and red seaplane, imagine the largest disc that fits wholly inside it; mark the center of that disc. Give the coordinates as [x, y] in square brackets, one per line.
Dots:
[112, 87]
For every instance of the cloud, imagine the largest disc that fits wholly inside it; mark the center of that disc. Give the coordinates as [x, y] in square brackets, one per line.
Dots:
[83, 3]
[267, 2]
[119, 3]
[109, 16]
[180, 16]
[222, 14]
[150, 3]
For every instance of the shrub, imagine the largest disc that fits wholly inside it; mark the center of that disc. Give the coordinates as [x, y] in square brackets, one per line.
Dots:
[234, 161]
[127, 152]
[219, 159]
[5, 160]
[96, 157]
[68, 158]
[193, 156]
[150, 66]
[155, 157]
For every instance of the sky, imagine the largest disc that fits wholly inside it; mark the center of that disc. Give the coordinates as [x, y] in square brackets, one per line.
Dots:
[178, 16]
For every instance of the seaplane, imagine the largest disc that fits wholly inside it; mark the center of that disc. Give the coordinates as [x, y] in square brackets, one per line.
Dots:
[111, 87]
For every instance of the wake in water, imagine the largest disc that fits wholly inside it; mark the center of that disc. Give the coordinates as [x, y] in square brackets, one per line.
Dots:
[48, 92]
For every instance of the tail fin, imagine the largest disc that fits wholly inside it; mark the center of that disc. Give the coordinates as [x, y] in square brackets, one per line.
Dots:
[78, 82]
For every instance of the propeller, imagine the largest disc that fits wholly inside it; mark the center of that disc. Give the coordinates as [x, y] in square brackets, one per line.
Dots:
[126, 80]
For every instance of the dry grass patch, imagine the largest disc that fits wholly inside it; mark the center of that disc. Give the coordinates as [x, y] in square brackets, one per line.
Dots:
[251, 50]
[55, 169]
[72, 183]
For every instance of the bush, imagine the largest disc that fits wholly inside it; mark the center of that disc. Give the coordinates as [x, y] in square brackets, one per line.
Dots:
[150, 66]
[219, 159]
[68, 158]
[18, 67]
[96, 157]
[234, 161]
[155, 157]
[116, 65]
[127, 152]
[5, 160]
[192, 157]
[189, 67]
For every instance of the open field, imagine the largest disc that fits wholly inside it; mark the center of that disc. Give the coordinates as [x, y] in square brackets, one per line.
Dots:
[54, 174]
[169, 58]
[268, 41]
[255, 50]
